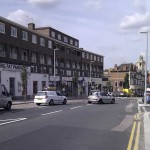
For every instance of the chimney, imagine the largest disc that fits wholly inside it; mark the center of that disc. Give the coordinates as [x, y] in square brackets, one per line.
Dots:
[31, 26]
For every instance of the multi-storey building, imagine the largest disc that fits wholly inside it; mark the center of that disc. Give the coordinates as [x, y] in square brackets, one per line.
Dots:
[34, 48]
[117, 76]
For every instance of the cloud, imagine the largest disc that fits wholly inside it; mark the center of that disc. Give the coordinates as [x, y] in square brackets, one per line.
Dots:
[21, 17]
[140, 5]
[44, 3]
[135, 21]
[96, 4]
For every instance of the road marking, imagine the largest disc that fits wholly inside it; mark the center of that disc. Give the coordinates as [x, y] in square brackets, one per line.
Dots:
[76, 107]
[12, 120]
[137, 116]
[131, 136]
[51, 112]
[88, 104]
[144, 109]
[124, 124]
[137, 136]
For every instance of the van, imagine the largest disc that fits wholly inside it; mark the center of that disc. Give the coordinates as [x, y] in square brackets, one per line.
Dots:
[5, 98]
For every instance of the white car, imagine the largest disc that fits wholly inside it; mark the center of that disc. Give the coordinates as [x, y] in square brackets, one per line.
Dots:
[49, 97]
[100, 97]
[5, 98]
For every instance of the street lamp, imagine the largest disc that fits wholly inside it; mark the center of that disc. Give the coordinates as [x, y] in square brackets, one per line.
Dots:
[55, 69]
[146, 61]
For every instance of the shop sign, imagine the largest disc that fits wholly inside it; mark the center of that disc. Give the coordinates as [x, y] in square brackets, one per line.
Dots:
[10, 67]
[67, 78]
[57, 78]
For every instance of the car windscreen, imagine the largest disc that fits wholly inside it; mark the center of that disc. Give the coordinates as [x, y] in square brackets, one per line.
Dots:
[104, 94]
[94, 94]
[41, 94]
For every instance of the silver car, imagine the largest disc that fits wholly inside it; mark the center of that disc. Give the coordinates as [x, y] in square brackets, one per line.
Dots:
[100, 97]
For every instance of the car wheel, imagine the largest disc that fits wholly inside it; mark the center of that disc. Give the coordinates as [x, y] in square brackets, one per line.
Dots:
[89, 102]
[100, 101]
[113, 101]
[51, 102]
[38, 104]
[8, 106]
[64, 101]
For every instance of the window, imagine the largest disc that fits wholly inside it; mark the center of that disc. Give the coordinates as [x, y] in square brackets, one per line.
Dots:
[68, 72]
[95, 58]
[91, 57]
[87, 55]
[25, 55]
[42, 59]
[2, 50]
[42, 41]
[71, 41]
[13, 52]
[25, 35]
[34, 39]
[59, 37]
[49, 44]
[65, 39]
[53, 34]
[2, 27]
[101, 59]
[49, 60]
[76, 43]
[34, 57]
[13, 31]
[83, 54]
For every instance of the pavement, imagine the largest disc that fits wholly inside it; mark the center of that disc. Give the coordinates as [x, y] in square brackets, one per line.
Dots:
[27, 101]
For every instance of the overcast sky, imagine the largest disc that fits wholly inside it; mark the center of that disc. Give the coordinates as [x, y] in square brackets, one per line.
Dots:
[108, 27]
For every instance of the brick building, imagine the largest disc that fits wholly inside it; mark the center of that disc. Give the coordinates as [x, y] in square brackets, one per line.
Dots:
[34, 48]
[117, 76]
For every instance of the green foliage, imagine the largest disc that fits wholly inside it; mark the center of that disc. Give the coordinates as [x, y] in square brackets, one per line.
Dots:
[126, 81]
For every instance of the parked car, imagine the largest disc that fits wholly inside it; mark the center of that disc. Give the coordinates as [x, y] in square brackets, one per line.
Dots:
[5, 98]
[147, 97]
[49, 97]
[100, 97]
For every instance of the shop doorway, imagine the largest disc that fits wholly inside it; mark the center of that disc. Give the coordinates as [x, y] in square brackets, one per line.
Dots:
[12, 87]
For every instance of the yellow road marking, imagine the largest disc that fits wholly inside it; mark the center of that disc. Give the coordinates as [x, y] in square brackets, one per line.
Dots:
[137, 136]
[131, 136]
[137, 116]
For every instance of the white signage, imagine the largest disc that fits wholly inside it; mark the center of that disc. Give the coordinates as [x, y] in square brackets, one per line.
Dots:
[57, 78]
[67, 78]
[10, 67]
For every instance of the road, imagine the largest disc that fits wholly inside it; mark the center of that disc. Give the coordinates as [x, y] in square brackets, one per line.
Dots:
[75, 126]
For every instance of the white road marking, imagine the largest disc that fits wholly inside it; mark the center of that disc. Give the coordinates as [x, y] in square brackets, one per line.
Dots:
[88, 104]
[12, 120]
[76, 107]
[51, 112]
[144, 109]
[124, 124]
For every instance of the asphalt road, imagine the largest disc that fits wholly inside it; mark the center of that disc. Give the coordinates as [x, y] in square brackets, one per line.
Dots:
[75, 126]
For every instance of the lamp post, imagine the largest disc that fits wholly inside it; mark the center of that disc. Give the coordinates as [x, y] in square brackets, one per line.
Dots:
[146, 61]
[55, 69]
[90, 75]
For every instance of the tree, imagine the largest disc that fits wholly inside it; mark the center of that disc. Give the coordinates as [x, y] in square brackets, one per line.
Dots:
[108, 85]
[126, 81]
[24, 77]
[75, 84]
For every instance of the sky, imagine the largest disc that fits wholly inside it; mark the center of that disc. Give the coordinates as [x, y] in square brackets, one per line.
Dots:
[107, 27]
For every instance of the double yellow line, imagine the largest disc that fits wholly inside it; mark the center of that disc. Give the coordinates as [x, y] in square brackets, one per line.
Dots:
[136, 126]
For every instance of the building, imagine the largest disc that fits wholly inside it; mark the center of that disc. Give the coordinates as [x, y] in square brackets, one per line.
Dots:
[34, 48]
[117, 76]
